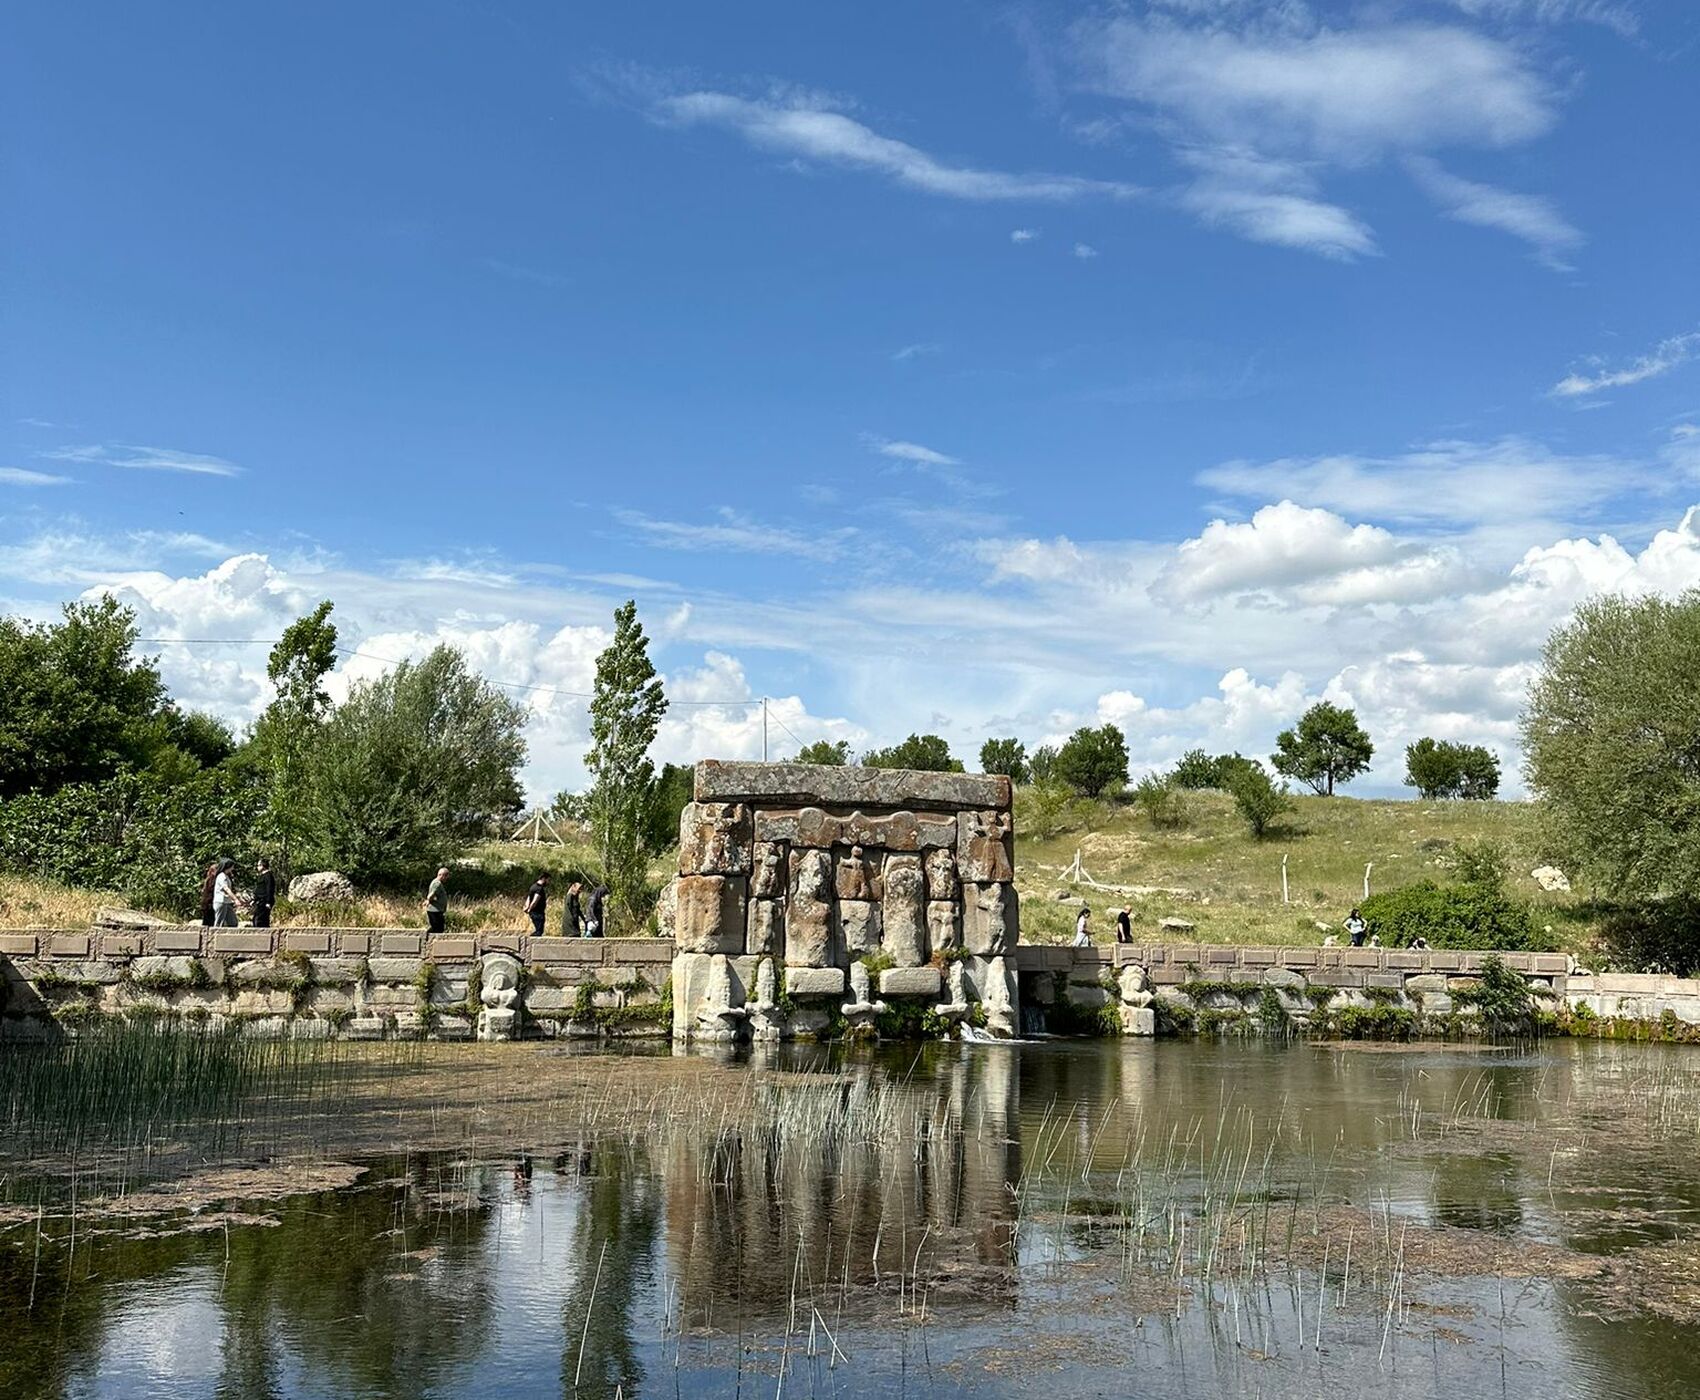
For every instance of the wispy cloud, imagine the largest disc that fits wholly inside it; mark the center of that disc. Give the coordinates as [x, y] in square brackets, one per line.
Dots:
[736, 533]
[21, 476]
[912, 452]
[1662, 359]
[1620, 18]
[1085, 251]
[1023, 235]
[1532, 218]
[915, 351]
[810, 129]
[519, 272]
[153, 459]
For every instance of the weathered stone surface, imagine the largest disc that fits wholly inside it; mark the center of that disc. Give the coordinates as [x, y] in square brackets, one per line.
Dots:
[808, 913]
[307, 941]
[395, 969]
[814, 981]
[890, 831]
[667, 911]
[327, 999]
[233, 941]
[799, 783]
[1551, 879]
[985, 846]
[452, 1028]
[765, 936]
[555, 950]
[68, 945]
[1139, 1020]
[451, 949]
[910, 982]
[990, 919]
[851, 878]
[769, 876]
[1133, 982]
[944, 925]
[120, 945]
[402, 945]
[1089, 996]
[858, 926]
[17, 945]
[366, 1028]
[903, 914]
[711, 914]
[321, 887]
[177, 940]
[1173, 924]
[942, 880]
[1426, 982]
[354, 945]
[1283, 978]
[714, 839]
[336, 971]
[261, 1001]
[153, 965]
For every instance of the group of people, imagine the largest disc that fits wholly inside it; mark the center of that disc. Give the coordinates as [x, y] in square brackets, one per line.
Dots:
[577, 921]
[219, 899]
[1083, 927]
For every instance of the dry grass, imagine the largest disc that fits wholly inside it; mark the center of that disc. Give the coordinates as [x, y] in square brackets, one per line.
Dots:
[26, 903]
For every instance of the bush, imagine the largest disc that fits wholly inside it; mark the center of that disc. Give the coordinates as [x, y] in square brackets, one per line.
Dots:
[1198, 769]
[1161, 801]
[1503, 998]
[1453, 916]
[1661, 935]
[1258, 799]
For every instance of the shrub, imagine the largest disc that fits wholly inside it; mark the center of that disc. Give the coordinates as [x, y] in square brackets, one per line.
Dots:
[1503, 998]
[1453, 916]
[1258, 799]
[1161, 801]
[1660, 935]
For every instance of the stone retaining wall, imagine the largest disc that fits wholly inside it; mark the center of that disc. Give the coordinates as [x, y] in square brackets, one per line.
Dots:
[366, 984]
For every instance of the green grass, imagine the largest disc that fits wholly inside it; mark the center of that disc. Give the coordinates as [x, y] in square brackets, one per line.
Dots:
[1211, 872]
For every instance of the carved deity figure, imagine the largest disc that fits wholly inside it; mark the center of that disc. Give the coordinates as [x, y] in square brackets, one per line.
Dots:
[984, 846]
[941, 875]
[499, 992]
[853, 879]
[769, 879]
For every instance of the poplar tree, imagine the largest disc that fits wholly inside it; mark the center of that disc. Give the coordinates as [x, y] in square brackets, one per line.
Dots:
[626, 707]
[297, 667]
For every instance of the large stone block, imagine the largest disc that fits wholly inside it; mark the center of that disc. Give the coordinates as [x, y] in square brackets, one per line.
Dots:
[307, 941]
[944, 925]
[177, 940]
[18, 945]
[985, 846]
[711, 914]
[714, 839]
[903, 912]
[799, 784]
[68, 945]
[890, 831]
[766, 932]
[401, 945]
[244, 941]
[769, 877]
[943, 883]
[808, 914]
[858, 926]
[910, 982]
[395, 969]
[814, 981]
[991, 919]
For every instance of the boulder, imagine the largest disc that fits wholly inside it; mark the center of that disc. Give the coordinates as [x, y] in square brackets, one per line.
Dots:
[321, 887]
[127, 918]
[1174, 925]
[1551, 879]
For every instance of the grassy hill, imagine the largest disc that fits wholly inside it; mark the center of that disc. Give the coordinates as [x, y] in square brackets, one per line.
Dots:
[1210, 870]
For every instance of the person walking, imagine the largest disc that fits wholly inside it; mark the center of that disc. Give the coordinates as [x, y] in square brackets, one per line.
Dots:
[1124, 927]
[207, 884]
[265, 893]
[598, 903]
[224, 895]
[1356, 926]
[537, 903]
[1082, 938]
[572, 922]
[437, 901]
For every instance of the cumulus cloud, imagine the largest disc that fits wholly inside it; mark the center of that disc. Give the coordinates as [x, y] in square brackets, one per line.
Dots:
[1661, 360]
[808, 128]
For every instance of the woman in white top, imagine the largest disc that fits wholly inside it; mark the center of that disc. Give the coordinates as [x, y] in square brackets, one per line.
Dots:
[1081, 938]
[224, 896]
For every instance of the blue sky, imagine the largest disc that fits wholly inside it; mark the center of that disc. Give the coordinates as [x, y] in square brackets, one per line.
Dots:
[960, 367]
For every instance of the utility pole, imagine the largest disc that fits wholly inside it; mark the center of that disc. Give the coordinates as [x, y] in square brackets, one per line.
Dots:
[764, 729]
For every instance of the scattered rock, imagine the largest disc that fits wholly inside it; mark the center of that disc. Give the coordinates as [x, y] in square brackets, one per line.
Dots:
[1551, 879]
[321, 887]
[126, 918]
[1174, 925]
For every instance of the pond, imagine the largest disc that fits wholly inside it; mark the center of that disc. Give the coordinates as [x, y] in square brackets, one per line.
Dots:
[1053, 1219]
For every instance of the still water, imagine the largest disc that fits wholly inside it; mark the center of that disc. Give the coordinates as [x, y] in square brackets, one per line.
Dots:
[1059, 1219]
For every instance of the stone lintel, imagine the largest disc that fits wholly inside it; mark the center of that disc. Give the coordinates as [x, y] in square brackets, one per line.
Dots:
[405, 945]
[355, 945]
[448, 948]
[178, 940]
[802, 784]
[554, 950]
[316, 940]
[242, 941]
[816, 981]
[18, 945]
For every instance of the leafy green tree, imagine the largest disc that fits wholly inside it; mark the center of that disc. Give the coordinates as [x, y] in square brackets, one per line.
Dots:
[1093, 761]
[1042, 764]
[1258, 799]
[1439, 768]
[625, 714]
[78, 704]
[922, 753]
[411, 768]
[827, 753]
[674, 786]
[1327, 747]
[1006, 756]
[1197, 769]
[1612, 735]
[297, 667]
[1159, 797]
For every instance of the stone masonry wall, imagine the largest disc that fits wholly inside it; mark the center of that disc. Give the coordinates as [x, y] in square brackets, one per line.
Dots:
[366, 984]
[795, 881]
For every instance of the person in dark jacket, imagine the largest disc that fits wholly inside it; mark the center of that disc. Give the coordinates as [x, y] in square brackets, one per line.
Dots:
[593, 924]
[265, 893]
[537, 903]
[572, 922]
[207, 895]
[1124, 927]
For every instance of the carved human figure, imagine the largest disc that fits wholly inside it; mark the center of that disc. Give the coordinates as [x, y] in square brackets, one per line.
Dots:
[499, 992]
[903, 911]
[942, 882]
[983, 846]
[853, 881]
[768, 882]
[808, 913]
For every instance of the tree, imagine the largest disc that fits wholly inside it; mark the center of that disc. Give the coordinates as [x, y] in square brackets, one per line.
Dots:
[1326, 748]
[78, 704]
[1042, 764]
[1439, 768]
[825, 752]
[1159, 797]
[1006, 756]
[1259, 800]
[411, 768]
[673, 788]
[922, 753]
[1197, 769]
[625, 713]
[297, 667]
[1612, 735]
[1093, 761]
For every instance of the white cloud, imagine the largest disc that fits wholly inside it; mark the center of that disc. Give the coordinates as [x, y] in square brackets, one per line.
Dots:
[807, 128]
[1281, 218]
[915, 351]
[736, 533]
[1662, 359]
[20, 476]
[913, 452]
[1085, 251]
[1023, 235]
[1532, 218]
[153, 459]
[1615, 16]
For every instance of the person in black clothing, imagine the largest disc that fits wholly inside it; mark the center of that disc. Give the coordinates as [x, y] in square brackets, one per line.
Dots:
[207, 895]
[593, 924]
[537, 903]
[572, 922]
[1124, 927]
[265, 893]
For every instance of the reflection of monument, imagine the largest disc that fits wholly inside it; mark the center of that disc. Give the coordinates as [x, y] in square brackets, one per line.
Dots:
[820, 868]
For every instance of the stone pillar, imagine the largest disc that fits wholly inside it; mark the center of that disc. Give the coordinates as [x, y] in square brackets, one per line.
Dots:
[903, 915]
[808, 914]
